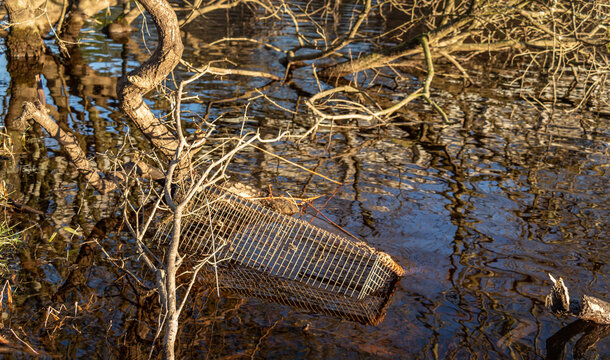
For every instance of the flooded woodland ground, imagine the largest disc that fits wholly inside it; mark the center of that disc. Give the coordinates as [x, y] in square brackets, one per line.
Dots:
[478, 213]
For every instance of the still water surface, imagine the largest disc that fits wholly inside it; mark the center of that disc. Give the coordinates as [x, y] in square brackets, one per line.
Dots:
[477, 213]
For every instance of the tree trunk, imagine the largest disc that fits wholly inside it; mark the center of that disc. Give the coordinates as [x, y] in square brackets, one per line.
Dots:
[24, 40]
[146, 77]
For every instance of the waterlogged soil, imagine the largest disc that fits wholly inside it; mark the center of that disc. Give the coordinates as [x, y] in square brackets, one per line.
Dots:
[478, 213]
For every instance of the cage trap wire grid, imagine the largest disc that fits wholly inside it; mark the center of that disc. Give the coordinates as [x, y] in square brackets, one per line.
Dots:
[268, 255]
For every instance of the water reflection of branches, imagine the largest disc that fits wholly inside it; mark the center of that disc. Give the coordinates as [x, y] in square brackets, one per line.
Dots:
[591, 334]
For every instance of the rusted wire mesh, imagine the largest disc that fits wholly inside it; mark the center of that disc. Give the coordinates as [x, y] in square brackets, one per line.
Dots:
[264, 254]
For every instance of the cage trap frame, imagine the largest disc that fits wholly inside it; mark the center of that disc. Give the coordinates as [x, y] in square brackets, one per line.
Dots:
[264, 254]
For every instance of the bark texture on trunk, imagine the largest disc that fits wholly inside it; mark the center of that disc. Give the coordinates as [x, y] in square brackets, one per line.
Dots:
[132, 87]
[24, 40]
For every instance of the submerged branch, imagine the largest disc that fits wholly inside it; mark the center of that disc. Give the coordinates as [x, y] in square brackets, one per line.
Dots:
[430, 69]
[103, 184]
[215, 70]
[382, 112]
[69, 143]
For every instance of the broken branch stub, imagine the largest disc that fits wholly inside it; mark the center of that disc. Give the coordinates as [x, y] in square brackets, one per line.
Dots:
[594, 309]
[589, 308]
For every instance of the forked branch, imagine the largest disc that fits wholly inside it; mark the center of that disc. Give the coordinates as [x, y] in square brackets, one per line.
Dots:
[370, 115]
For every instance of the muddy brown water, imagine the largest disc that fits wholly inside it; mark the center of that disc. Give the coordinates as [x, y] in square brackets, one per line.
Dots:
[477, 213]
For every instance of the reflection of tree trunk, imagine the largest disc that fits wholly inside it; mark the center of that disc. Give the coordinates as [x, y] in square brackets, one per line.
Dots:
[86, 254]
[38, 190]
[24, 40]
[121, 26]
[79, 12]
[75, 19]
[22, 89]
[353, 166]
[556, 344]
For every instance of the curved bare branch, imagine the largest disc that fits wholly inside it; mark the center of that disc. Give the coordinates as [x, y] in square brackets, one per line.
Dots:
[131, 88]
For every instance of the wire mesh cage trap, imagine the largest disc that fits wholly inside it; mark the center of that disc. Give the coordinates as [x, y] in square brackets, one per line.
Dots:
[264, 254]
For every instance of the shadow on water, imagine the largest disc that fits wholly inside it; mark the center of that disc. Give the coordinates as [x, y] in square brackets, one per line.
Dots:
[477, 213]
